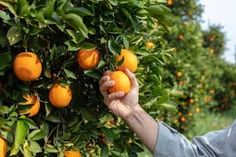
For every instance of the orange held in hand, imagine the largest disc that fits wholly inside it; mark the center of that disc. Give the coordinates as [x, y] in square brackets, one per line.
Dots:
[3, 147]
[88, 59]
[27, 66]
[130, 60]
[72, 153]
[122, 82]
[31, 100]
[60, 95]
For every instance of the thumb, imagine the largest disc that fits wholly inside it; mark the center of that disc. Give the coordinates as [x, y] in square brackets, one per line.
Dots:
[132, 78]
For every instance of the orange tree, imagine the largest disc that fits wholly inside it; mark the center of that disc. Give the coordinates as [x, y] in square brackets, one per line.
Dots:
[52, 54]
[197, 70]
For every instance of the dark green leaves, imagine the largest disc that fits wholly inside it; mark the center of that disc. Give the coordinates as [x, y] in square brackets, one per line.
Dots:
[114, 47]
[92, 73]
[14, 34]
[79, 11]
[23, 7]
[77, 23]
[5, 60]
[70, 74]
[87, 46]
[161, 13]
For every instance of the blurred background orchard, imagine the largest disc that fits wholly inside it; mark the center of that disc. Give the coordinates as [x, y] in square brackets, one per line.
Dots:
[184, 79]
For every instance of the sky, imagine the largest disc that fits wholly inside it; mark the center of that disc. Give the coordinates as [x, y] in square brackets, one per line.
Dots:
[224, 13]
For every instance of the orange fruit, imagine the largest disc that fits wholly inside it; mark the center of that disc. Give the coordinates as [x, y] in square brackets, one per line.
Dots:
[170, 2]
[130, 60]
[179, 74]
[191, 101]
[27, 66]
[122, 82]
[72, 153]
[150, 45]
[88, 59]
[31, 100]
[182, 119]
[60, 95]
[3, 147]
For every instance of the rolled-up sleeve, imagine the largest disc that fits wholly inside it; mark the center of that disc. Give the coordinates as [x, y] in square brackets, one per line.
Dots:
[170, 143]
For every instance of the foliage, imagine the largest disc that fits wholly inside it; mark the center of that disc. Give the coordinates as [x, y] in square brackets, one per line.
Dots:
[55, 30]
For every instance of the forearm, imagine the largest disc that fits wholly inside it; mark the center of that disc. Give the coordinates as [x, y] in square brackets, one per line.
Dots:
[144, 126]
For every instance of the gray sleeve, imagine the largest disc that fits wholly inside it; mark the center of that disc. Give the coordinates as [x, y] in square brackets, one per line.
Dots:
[170, 143]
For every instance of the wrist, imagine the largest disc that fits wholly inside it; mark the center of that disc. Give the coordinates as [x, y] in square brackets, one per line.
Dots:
[134, 113]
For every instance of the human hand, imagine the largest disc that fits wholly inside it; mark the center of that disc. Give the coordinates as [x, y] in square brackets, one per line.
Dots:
[119, 103]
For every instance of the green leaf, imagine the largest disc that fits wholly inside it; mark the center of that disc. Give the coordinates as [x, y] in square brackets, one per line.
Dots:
[101, 64]
[132, 154]
[48, 108]
[73, 35]
[31, 123]
[158, 10]
[169, 107]
[4, 15]
[3, 39]
[24, 7]
[5, 60]
[50, 149]
[21, 131]
[104, 152]
[36, 135]
[133, 20]
[77, 23]
[80, 11]
[164, 98]
[14, 34]
[35, 147]
[114, 47]
[125, 41]
[49, 8]
[136, 148]
[92, 73]
[87, 46]
[26, 150]
[70, 74]
[9, 7]
[52, 117]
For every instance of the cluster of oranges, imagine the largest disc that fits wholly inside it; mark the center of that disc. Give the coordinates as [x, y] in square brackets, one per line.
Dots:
[28, 67]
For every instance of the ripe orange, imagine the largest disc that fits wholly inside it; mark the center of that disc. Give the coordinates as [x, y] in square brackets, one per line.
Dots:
[88, 59]
[130, 60]
[122, 82]
[72, 153]
[182, 119]
[179, 74]
[191, 101]
[27, 66]
[150, 45]
[31, 100]
[3, 147]
[60, 95]
[170, 2]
